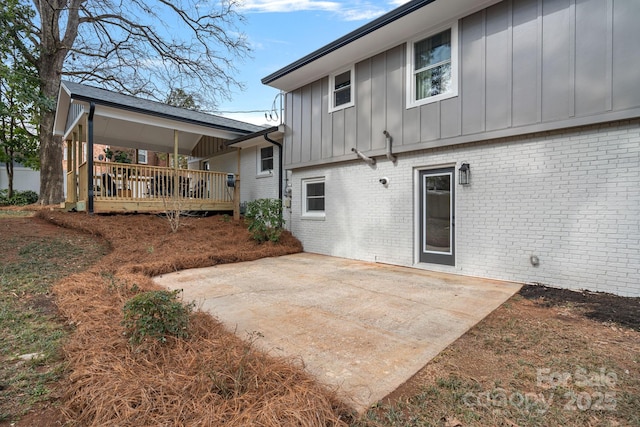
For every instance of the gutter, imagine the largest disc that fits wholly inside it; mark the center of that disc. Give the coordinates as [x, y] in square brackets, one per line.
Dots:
[280, 163]
[251, 135]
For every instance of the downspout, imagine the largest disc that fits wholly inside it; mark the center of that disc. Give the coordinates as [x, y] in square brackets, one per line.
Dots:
[369, 160]
[92, 110]
[280, 167]
[392, 157]
[280, 163]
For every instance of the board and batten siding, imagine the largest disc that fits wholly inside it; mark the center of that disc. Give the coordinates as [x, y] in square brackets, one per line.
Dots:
[524, 66]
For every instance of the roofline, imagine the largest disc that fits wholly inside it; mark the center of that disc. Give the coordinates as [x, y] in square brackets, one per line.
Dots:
[252, 135]
[85, 98]
[366, 29]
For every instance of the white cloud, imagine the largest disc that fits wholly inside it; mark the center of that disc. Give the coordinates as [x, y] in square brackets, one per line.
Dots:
[263, 6]
[347, 11]
[362, 14]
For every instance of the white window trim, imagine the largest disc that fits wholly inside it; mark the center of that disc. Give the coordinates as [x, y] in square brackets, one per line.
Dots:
[332, 77]
[263, 173]
[411, 92]
[313, 214]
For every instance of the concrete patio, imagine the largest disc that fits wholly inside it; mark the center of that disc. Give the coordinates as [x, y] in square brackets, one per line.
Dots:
[362, 328]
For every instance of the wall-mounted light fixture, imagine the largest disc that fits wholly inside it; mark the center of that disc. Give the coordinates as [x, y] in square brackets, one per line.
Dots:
[464, 174]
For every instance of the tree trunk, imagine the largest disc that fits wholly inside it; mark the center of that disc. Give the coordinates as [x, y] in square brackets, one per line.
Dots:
[51, 179]
[9, 167]
[51, 170]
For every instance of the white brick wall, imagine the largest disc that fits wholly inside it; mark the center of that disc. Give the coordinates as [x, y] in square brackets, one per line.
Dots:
[572, 198]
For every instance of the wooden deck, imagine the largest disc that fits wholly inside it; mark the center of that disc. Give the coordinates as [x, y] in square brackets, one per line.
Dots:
[120, 187]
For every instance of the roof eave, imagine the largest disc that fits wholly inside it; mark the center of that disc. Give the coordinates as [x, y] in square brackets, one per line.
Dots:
[88, 99]
[411, 20]
[245, 141]
[374, 25]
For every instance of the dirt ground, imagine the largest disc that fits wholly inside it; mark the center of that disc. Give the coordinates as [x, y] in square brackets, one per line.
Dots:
[517, 348]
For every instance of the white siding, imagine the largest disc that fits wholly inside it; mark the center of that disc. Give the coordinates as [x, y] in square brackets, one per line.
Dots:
[252, 185]
[571, 197]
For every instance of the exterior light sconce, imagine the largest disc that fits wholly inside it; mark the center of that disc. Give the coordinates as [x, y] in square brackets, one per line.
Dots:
[464, 174]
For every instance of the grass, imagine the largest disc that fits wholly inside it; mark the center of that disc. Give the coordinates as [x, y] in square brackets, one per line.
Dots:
[524, 365]
[28, 317]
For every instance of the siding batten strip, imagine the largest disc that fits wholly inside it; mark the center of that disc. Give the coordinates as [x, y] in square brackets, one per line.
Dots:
[609, 72]
[572, 58]
[539, 62]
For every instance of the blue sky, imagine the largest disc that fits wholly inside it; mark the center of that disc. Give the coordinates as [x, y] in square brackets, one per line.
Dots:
[282, 31]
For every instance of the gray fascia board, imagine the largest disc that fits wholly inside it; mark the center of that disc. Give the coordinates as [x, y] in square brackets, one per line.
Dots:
[374, 25]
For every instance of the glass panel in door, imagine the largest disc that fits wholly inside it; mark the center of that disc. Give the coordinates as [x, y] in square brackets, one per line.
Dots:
[437, 216]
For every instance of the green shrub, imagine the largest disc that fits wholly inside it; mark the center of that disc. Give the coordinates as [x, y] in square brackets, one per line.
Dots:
[265, 219]
[19, 198]
[157, 315]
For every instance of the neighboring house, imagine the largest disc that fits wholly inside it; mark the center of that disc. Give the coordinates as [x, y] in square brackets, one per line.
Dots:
[24, 178]
[484, 138]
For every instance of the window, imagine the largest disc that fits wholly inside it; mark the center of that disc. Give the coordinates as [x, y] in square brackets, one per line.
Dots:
[341, 90]
[265, 160]
[142, 156]
[313, 197]
[433, 67]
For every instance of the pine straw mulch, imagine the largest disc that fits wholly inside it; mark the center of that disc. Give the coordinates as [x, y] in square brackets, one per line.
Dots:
[212, 378]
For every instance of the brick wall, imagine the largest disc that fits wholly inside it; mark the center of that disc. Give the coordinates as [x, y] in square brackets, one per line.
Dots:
[571, 198]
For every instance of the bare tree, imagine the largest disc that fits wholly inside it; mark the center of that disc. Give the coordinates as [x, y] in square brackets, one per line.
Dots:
[139, 47]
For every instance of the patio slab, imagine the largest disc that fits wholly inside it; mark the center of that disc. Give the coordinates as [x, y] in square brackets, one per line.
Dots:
[361, 328]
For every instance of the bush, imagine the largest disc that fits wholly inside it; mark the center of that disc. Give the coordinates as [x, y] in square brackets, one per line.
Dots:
[157, 315]
[20, 198]
[265, 219]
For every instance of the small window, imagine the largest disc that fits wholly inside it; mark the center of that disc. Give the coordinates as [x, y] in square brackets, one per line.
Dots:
[142, 156]
[313, 197]
[266, 159]
[432, 67]
[341, 90]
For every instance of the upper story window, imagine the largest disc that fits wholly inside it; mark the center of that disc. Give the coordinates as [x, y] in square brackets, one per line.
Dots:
[265, 162]
[341, 91]
[432, 67]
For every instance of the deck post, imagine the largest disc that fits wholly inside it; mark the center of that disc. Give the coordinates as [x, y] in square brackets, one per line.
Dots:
[236, 192]
[80, 138]
[175, 165]
[73, 198]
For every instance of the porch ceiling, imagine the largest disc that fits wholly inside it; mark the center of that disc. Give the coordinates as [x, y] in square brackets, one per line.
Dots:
[126, 121]
[135, 130]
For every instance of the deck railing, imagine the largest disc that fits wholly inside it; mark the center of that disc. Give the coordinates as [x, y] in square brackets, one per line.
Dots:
[121, 181]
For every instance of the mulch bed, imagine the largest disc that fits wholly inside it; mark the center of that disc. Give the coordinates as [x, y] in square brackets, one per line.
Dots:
[212, 378]
[598, 306]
